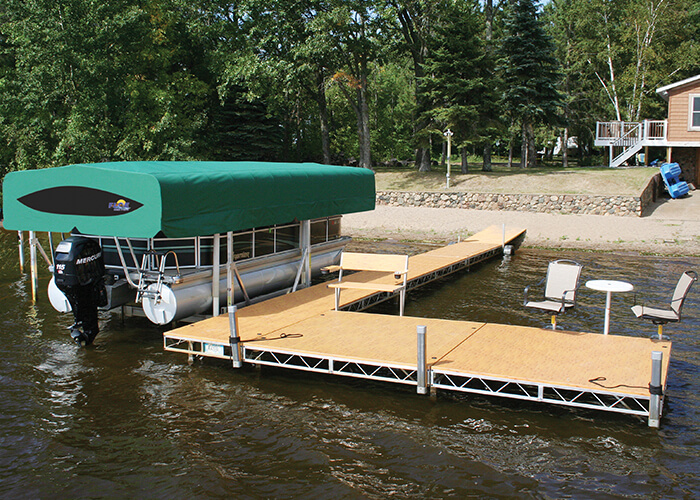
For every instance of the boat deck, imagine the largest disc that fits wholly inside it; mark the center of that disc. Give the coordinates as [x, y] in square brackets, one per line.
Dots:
[302, 331]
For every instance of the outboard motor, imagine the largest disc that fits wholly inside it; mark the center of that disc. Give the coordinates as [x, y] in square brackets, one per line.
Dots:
[79, 273]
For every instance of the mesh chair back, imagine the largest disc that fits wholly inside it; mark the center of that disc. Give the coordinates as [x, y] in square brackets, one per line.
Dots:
[562, 280]
[682, 288]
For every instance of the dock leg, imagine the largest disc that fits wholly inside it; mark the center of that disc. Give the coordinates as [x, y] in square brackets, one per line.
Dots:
[20, 243]
[422, 368]
[234, 339]
[433, 394]
[655, 389]
[33, 267]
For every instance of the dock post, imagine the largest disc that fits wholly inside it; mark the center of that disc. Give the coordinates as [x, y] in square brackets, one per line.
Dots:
[655, 389]
[20, 242]
[52, 251]
[422, 368]
[305, 245]
[234, 338]
[216, 275]
[33, 267]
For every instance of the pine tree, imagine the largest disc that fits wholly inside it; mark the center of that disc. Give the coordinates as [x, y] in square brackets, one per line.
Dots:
[530, 73]
[457, 79]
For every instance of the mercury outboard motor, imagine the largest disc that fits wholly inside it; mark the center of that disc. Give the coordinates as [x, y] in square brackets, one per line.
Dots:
[79, 273]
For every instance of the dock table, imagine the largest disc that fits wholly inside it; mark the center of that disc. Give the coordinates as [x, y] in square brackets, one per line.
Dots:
[609, 286]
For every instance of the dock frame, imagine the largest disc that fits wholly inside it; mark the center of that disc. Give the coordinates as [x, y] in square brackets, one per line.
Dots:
[300, 331]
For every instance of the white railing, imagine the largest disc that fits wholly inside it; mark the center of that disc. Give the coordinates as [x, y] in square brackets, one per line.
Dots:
[609, 133]
[654, 130]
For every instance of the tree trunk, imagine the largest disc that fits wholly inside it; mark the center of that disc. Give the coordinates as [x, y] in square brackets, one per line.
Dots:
[412, 20]
[423, 149]
[487, 167]
[423, 159]
[465, 159]
[323, 118]
[523, 146]
[510, 154]
[531, 146]
[488, 10]
[362, 112]
[565, 148]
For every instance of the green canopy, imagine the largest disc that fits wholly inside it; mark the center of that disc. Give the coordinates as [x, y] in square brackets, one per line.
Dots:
[181, 199]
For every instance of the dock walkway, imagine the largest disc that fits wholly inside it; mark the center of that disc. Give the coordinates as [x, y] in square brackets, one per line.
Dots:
[302, 331]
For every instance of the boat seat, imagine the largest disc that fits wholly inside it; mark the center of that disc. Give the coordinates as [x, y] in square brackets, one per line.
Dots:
[394, 269]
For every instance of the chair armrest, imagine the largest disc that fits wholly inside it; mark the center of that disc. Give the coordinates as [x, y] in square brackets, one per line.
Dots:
[563, 296]
[527, 289]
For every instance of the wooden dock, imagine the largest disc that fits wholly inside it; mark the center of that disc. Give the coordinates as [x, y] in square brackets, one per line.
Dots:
[302, 331]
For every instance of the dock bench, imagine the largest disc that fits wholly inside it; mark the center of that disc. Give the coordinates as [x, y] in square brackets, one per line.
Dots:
[396, 265]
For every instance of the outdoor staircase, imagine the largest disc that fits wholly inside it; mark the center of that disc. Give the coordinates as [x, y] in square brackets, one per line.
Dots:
[625, 139]
[626, 146]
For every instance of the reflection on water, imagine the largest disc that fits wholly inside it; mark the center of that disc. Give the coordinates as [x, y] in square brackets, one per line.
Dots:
[125, 418]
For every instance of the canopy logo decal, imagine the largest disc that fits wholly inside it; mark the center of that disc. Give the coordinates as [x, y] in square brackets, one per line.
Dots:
[79, 200]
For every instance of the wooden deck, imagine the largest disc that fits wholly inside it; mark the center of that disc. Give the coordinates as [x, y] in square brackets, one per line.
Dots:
[302, 331]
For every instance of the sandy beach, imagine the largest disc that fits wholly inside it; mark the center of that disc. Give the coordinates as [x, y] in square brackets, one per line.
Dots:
[671, 227]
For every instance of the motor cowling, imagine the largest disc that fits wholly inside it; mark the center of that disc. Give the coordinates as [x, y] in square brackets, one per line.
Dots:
[79, 273]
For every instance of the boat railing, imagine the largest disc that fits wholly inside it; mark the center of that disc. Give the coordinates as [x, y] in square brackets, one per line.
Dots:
[148, 277]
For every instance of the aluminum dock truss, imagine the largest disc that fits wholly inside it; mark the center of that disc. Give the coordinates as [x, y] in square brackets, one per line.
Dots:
[302, 331]
[418, 281]
[522, 363]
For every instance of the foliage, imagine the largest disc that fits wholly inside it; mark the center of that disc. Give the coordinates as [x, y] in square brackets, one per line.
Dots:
[530, 73]
[459, 82]
[326, 80]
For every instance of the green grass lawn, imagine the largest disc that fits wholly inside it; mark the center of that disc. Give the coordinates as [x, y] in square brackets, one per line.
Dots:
[515, 180]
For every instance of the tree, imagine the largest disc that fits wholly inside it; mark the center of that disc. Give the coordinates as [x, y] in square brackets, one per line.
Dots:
[457, 81]
[359, 37]
[93, 82]
[629, 47]
[414, 20]
[489, 16]
[530, 74]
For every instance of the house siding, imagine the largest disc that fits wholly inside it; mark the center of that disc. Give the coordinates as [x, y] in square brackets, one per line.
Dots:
[678, 114]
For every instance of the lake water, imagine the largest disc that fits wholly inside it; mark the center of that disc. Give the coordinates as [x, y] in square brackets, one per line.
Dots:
[126, 419]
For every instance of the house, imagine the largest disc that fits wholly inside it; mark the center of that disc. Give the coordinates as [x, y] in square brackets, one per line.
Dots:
[679, 133]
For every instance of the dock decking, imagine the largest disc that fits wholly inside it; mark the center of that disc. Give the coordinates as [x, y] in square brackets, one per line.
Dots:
[302, 331]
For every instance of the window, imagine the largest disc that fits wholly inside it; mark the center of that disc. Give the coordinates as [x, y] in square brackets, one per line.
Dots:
[694, 118]
[326, 229]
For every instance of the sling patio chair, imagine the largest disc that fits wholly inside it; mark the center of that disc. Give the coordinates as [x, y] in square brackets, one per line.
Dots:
[561, 285]
[671, 313]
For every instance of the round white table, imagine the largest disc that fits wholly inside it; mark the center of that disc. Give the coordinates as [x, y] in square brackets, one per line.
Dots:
[609, 286]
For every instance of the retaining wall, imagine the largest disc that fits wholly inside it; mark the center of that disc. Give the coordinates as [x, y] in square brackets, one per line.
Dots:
[549, 203]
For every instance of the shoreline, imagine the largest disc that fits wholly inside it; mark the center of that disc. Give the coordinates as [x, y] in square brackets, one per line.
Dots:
[671, 229]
